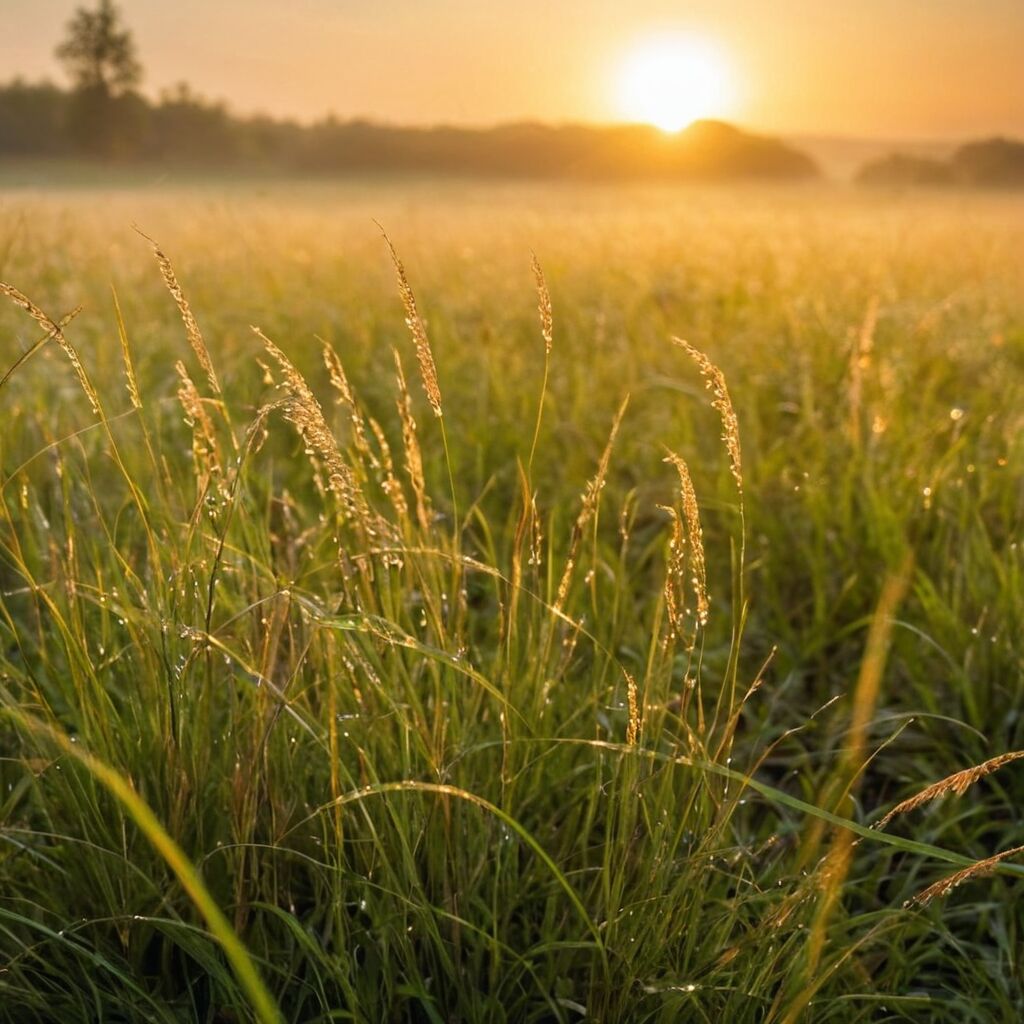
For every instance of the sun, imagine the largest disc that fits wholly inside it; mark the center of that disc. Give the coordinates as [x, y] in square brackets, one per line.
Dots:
[671, 80]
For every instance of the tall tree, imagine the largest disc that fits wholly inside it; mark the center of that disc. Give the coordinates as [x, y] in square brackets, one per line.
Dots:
[98, 53]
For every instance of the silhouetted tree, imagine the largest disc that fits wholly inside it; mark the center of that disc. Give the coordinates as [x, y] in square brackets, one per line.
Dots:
[99, 55]
[98, 52]
[989, 163]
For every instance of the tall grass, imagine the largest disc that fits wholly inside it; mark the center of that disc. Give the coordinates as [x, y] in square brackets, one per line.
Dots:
[313, 710]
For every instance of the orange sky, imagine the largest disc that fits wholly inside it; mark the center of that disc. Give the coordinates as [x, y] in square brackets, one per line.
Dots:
[881, 68]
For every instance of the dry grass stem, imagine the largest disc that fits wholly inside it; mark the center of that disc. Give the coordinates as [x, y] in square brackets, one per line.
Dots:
[715, 382]
[633, 726]
[695, 535]
[56, 331]
[126, 357]
[411, 445]
[305, 413]
[339, 380]
[536, 533]
[195, 337]
[588, 508]
[945, 886]
[32, 349]
[205, 449]
[543, 306]
[957, 783]
[389, 482]
[675, 575]
[413, 320]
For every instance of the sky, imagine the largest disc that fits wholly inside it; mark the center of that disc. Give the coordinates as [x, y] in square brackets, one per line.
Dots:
[921, 69]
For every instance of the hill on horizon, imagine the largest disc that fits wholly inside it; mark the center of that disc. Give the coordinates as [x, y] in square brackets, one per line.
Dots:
[705, 150]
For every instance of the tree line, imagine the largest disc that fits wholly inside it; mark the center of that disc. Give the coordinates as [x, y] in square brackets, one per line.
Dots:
[182, 128]
[988, 163]
[102, 115]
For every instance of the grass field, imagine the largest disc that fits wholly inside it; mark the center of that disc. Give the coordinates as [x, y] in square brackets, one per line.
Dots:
[318, 706]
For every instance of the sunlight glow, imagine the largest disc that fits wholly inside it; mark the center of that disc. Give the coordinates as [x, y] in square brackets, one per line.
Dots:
[670, 80]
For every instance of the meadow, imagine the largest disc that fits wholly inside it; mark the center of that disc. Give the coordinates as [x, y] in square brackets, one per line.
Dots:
[459, 647]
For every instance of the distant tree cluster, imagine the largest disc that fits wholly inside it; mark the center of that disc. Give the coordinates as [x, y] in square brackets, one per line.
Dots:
[991, 163]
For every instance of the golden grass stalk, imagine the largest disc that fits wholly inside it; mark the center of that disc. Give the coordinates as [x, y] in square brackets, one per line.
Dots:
[536, 534]
[518, 538]
[24, 302]
[305, 413]
[546, 330]
[957, 783]
[714, 380]
[675, 575]
[588, 508]
[945, 886]
[32, 349]
[56, 331]
[413, 320]
[205, 449]
[633, 726]
[411, 445]
[543, 305]
[195, 337]
[695, 535]
[339, 380]
[126, 356]
[389, 482]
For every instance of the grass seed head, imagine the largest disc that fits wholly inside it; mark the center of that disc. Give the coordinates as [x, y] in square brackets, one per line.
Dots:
[714, 380]
[633, 726]
[305, 413]
[588, 507]
[388, 481]
[413, 320]
[958, 783]
[346, 395]
[195, 337]
[411, 444]
[56, 331]
[945, 886]
[543, 306]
